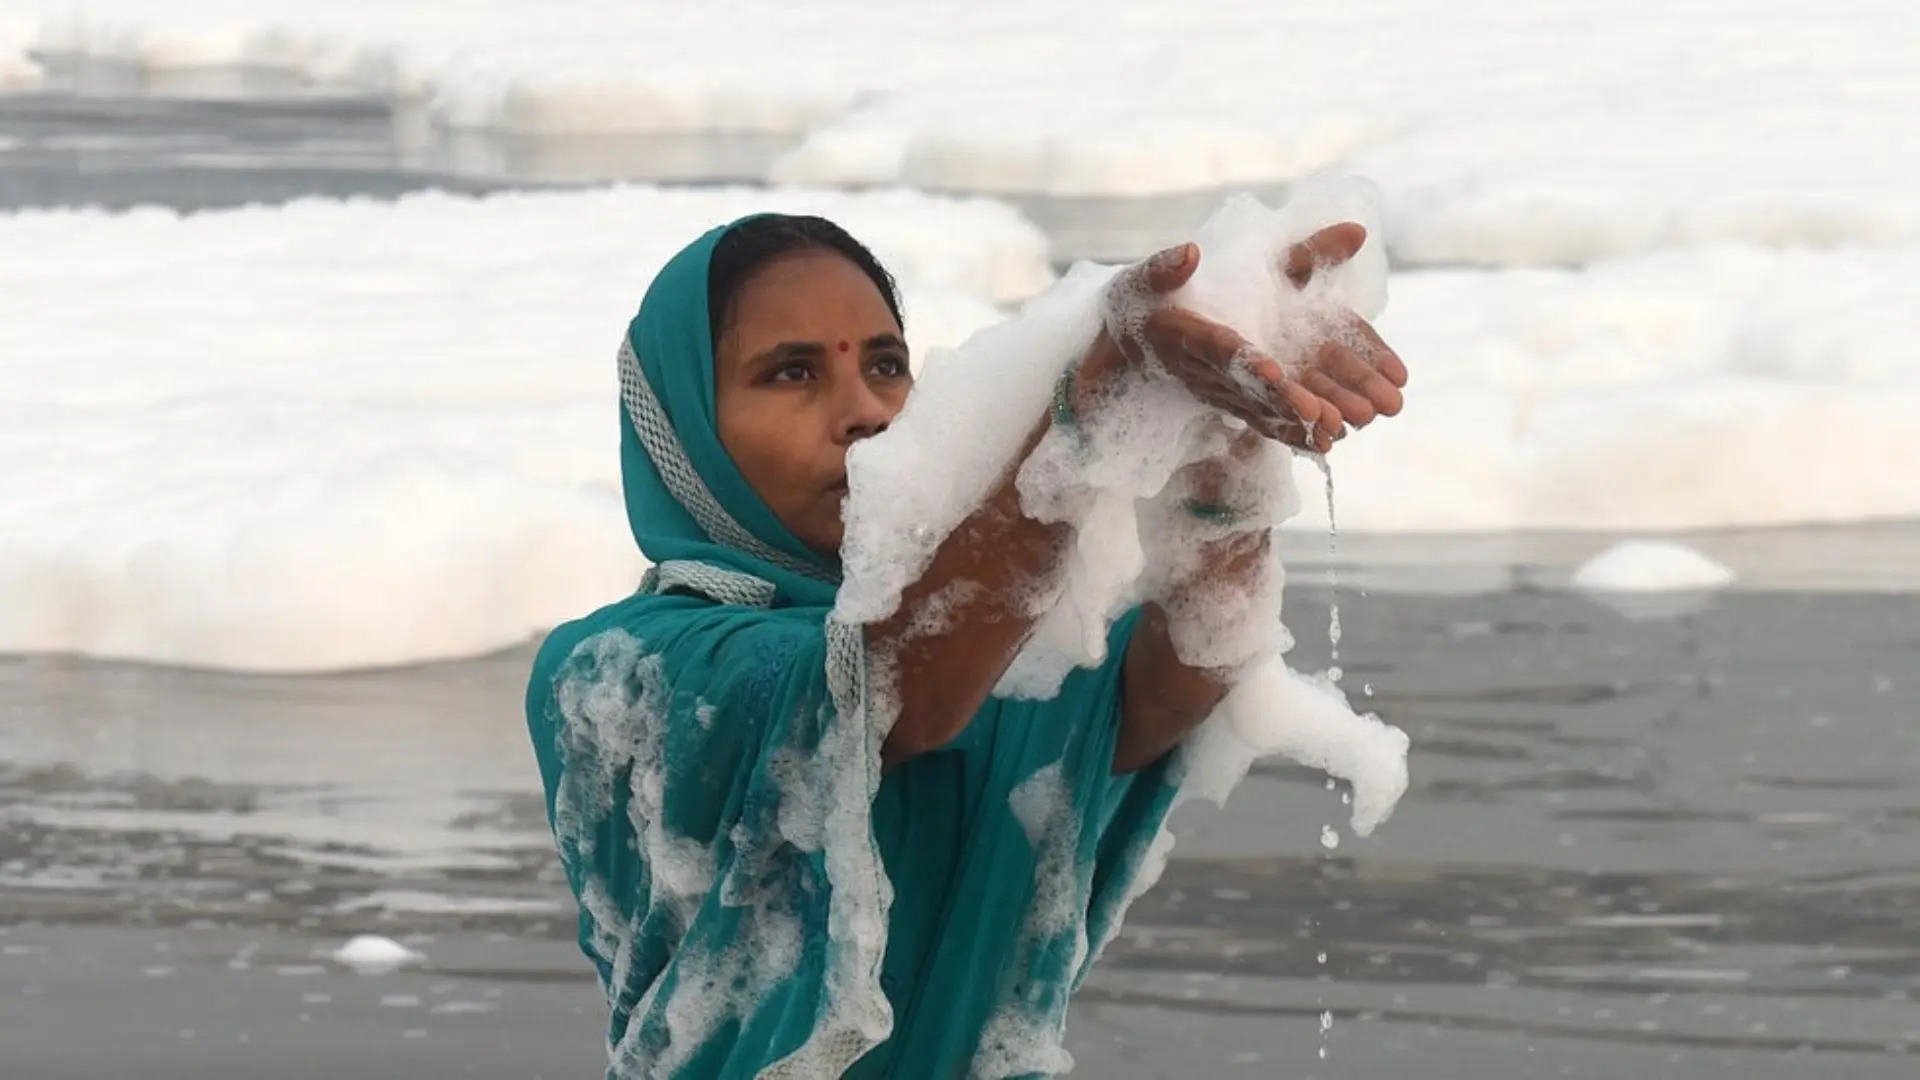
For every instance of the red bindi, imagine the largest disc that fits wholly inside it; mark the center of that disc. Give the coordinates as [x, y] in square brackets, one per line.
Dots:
[844, 346]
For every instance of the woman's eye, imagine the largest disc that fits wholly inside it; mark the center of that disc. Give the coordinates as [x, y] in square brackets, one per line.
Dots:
[891, 367]
[792, 371]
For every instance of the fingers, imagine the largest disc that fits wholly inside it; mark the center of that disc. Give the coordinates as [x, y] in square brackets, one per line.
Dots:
[1329, 247]
[1175, 332]
[1171, 268]
[1353, 407]
[1282, 409]
[1379, 354]
[1340, 389]
[1320, 419]
[1347, 378]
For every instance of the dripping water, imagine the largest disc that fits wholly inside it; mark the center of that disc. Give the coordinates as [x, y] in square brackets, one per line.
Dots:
[1333, 572]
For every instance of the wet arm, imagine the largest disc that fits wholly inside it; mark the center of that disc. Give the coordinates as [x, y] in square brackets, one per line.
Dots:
[1165, 698]
[983, 577]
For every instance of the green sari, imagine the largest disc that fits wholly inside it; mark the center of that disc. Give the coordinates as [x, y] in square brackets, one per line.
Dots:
[758, 900]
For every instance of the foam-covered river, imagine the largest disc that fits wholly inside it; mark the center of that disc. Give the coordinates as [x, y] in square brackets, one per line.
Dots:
[1679, 843]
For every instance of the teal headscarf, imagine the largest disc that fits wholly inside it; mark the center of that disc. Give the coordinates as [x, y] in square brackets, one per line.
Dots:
[713, 780]
[686, 502]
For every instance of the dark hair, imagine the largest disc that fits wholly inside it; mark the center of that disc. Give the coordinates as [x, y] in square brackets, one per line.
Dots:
[743, 251]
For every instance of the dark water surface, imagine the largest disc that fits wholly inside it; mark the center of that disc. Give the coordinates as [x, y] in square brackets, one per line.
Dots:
[1677, 847]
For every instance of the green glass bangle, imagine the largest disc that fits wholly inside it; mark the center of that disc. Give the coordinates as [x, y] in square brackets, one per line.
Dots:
[1064, 417]
[1217, 513]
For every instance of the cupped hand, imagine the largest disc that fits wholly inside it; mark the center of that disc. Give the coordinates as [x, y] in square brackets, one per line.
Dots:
[1345, 376]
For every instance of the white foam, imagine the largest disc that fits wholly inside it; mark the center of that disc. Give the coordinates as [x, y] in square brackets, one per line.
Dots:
[1638, 174]
[1641, 566]
[1574, 130]
[1723, 388]
[915, 483]
[1238, 278]
[372, 954]
[342, 435]
[1112, 477]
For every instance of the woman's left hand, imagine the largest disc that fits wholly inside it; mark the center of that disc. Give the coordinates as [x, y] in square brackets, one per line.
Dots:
[1348, 376]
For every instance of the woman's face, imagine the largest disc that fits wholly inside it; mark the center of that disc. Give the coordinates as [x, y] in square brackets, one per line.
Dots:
[809, 361]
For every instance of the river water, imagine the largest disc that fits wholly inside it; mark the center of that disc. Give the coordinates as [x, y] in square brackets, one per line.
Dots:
[1674, 840]
[1678, 847]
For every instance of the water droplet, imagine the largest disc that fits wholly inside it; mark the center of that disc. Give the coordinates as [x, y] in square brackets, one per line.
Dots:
[1329, 839]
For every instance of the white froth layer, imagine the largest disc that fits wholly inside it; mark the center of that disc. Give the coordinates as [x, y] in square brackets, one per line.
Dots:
[1731, 387]
[1510, 131]
[344, 435]
[341, 435]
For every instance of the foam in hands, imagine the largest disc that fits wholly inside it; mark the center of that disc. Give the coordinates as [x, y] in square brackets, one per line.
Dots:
[1115, 479]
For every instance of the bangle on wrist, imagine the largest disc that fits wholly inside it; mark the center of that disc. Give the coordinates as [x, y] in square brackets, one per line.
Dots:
[1219, 514]
[1064, 415]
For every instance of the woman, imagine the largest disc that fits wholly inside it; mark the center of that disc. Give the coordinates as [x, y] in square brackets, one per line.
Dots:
[771, 885]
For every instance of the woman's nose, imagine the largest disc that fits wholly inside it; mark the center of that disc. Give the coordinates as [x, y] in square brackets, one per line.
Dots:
[861, 412]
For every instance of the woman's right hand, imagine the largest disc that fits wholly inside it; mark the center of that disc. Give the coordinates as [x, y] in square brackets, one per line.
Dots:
[1347, 377]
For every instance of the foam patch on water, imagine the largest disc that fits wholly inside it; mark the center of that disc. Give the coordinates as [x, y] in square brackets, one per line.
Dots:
[372, 954]
[1651, 566]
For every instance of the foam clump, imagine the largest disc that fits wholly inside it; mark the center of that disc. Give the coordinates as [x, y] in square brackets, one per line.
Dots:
[1651, 566]
[374, 954]
[1277, 711]
[1244, 256]
[1120, 477]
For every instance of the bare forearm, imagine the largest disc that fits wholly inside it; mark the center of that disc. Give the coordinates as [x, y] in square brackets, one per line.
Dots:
[959, 627]
[1165, 698]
